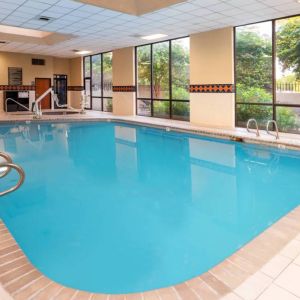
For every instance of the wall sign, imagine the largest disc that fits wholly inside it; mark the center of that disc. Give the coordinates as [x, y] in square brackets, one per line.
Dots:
[14, 76]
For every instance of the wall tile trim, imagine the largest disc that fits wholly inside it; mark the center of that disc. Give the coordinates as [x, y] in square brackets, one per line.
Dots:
[212, 88]
[17, 87]
[75, 88]
[124, 88]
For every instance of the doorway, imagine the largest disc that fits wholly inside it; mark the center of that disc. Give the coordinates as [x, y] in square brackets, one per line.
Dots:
[41, 86]
[60, 88]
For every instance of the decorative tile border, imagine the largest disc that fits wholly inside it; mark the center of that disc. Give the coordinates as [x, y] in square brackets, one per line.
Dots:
[124, 88]
[243, 275]
[75, 88]
[17, 88]
[212, 88]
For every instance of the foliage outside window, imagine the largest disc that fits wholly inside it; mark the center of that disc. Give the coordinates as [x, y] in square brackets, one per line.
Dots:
[163, 79]
[98, 81]
[268, 73]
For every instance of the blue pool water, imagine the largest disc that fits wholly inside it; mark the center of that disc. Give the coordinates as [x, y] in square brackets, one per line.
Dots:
[115, 208]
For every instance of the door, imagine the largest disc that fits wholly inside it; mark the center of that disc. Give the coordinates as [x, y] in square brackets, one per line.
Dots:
[60, 88]
[41, 86]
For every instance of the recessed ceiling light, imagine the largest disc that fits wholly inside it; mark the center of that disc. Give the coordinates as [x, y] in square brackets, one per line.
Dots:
[81, 52]
[23, 31]
[153, 36]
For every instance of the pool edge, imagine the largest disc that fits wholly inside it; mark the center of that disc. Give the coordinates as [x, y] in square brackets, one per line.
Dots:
[19, 279]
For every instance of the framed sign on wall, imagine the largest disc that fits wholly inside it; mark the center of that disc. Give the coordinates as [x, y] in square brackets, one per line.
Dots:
[14, 76]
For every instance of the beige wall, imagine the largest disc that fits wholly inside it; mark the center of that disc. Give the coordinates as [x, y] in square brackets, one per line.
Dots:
[53, 65]
[123, 74]
[211, 62]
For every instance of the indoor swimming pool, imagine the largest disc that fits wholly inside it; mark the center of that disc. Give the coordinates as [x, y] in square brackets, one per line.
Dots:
[115, 208]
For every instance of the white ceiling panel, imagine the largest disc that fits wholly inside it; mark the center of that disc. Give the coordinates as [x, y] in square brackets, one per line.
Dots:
[98, 29]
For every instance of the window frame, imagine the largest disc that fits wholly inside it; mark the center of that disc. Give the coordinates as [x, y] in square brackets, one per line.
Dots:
[152, 99]
[90, 77]
[273, 104]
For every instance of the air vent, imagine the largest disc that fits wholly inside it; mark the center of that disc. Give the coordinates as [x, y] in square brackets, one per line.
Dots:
[38, 62]
[45, 18]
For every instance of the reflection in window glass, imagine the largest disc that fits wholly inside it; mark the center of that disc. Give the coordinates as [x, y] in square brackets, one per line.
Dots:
[96, 104]
[288, 119]
[262, 113]
[254, 63]
[161, 70]
[163, 74]
[180, 69]
[144, 72]
[161, 109]
[96, 75]
[107, 104]
[144, 107]
[87, 84]
[180, 110]
[87, 66]
[107, 74]
[288, 73]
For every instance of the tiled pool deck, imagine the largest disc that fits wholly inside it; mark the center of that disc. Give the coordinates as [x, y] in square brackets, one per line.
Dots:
[268, 268]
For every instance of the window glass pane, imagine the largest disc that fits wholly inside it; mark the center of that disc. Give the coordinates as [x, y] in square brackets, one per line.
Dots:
[288, 61]
[288, 119]
[107, 104]
[96, 75]
[107, 74]
[262, 113]
[254, 63]
[161, 70]
[87, 83]
[87, 66]
[144, 71]
[161, 109]
[144, 107]
[181, 110]
[96, 104]
[180, 69]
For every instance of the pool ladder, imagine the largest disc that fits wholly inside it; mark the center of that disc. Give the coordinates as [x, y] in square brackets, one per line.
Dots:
[8, 165]
[276, 134]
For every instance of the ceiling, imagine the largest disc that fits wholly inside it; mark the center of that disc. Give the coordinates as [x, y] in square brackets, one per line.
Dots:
[98, 29]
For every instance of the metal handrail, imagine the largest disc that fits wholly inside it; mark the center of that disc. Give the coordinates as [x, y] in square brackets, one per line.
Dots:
[11, 99]
[8, 160]
[256, 125]
[21, 180]
[276, 129]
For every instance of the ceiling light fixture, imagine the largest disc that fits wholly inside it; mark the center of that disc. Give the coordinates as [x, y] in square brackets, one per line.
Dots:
[81, 52]
[23, 31]
[153, 36]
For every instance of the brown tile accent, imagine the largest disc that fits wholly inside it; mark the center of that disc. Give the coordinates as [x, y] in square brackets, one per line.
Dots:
[185, 292]
[220, 287]
[9, 249]
[16, 273]
[99, 297]
[82, 296]
[124, 88]
[212, 88]
[202, 289]
[11, 256]
[32, 288]
[168, 294]
[65, 294]
[75, 88]
[14, 264]
[17, 88]
[152, 295]
[48, 292]
[117, 297]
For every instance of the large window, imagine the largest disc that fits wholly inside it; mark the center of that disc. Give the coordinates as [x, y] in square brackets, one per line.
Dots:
[163, 79]
[98, 81]
[268, 73]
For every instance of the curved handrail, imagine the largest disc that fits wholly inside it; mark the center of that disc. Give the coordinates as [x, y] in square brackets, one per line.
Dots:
[11, 99]
[8, 160]
[256, 125]
[21, 180]
[276, 129]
